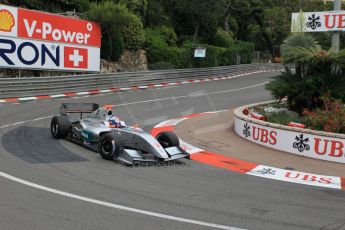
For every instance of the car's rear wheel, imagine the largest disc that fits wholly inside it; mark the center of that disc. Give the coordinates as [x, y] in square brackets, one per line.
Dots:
[59, 127]
[168, 139]
[110, 146]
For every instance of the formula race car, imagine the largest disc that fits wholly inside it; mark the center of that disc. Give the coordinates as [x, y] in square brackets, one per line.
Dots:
[101, 131]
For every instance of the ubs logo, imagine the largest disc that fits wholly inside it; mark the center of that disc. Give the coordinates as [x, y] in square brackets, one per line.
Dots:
[246, 130]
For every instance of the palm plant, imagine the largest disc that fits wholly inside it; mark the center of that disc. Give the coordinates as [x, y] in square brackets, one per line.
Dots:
[317, 72]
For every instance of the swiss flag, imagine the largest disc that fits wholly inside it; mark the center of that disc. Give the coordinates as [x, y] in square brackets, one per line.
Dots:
[75, 57]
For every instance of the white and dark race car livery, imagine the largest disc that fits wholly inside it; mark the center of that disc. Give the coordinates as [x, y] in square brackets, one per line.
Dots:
[105, 133]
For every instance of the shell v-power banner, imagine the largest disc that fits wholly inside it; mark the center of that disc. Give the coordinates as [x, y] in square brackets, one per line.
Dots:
[38, 40]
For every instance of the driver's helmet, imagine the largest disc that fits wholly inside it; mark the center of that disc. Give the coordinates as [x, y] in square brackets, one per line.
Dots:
[115, 122]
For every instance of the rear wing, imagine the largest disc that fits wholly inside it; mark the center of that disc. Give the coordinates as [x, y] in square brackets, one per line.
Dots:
[66, 108]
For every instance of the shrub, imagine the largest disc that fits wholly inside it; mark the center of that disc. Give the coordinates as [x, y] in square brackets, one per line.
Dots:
[229, 56]
[283, 118]
[169, 35]
[246, 50]
[133, 33]
[186, 40]
[223, 38]
[154, 38]
[278, 114]
[211, 59]
[112, 47]
[299, 91]
[180, 57]
[330, 118]
[158, 50]
[305, 92]
[161, 66]
[155, 46]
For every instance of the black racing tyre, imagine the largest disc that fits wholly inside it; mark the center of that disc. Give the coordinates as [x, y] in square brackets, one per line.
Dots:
[168, 139]
[110, 146]
[59, 127]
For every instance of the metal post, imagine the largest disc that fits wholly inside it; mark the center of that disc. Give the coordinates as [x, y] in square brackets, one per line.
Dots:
[258, 56]
[238, 59]
[336, 35]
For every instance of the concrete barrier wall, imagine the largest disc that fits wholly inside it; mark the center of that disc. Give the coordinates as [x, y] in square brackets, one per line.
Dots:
[304, 142]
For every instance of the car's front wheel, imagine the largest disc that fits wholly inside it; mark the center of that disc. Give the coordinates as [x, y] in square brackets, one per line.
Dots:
[109, 146]
[168, 139]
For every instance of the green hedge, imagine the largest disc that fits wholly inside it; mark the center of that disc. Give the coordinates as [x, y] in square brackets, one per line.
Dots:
[161, 66]
[155, 45]
[245, 50]
[215, 56]
[158, 50]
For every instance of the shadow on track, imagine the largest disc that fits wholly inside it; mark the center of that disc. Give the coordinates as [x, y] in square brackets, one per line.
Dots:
[36, 146]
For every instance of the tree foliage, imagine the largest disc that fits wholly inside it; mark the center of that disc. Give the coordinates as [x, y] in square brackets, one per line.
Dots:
[263, 22]
[51, 6]
[120, 28]
[223, 38]
[133, 33]
[200, 13]
[138, 7]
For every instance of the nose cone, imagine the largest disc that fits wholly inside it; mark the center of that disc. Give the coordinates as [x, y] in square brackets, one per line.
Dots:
[155, 147]
[162, 152]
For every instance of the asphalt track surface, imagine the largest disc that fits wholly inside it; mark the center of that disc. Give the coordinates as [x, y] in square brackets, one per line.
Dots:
[82, 191]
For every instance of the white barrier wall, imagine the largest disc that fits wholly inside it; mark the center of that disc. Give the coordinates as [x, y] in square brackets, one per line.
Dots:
[299, 143]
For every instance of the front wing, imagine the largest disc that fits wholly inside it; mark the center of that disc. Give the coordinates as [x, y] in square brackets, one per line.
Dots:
[131, 156]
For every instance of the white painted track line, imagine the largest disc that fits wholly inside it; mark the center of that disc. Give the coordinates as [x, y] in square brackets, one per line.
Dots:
[116, 206]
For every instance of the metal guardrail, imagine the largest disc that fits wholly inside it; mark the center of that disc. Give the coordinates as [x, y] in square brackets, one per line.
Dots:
[31, 86]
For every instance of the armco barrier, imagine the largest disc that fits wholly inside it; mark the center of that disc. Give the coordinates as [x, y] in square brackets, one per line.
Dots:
[32, 86]
[305, 142]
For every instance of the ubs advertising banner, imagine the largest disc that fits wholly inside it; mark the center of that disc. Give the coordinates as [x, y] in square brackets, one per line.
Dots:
[318, 21]
[38, 40]
[309, 145]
